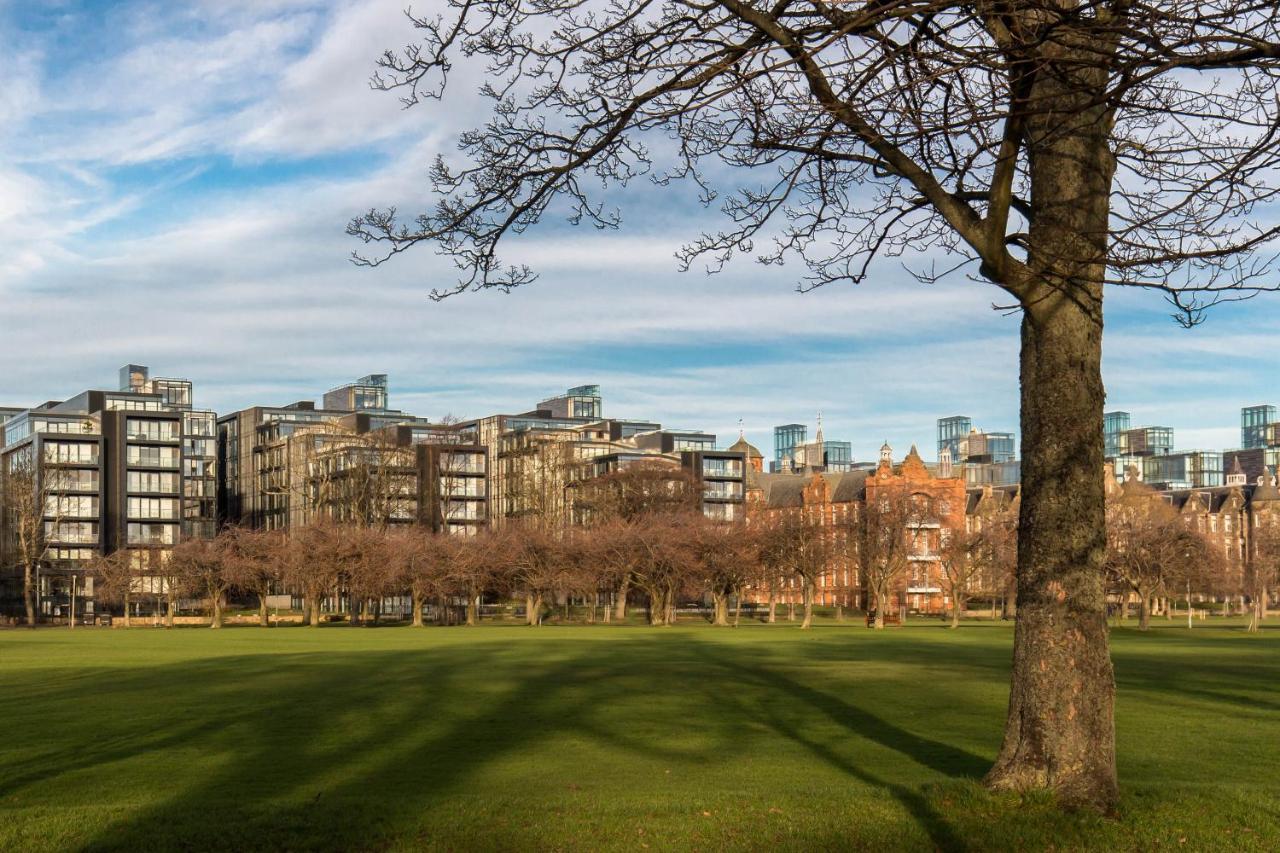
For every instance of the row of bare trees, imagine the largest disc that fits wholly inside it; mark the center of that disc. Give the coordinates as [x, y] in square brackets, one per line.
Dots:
[1153, 556]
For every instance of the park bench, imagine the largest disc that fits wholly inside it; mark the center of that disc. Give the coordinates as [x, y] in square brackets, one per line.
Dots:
[889, 619]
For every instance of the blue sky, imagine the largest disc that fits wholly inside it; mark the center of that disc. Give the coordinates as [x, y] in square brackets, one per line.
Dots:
[174, 184]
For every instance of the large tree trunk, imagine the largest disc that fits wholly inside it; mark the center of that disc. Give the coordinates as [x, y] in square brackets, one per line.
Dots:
[808, 605]
[264, 617]
[773, 607]
[416, 598]
[128, 621]
[473, 612]
[1060, 732]
[956, 607]
[1144, 613]
[216, 620]
[171, 604]
[1011, 600]
[313, 611]
[719, 609]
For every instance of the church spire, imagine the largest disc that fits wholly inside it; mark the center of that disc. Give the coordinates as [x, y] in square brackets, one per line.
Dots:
[819, 436]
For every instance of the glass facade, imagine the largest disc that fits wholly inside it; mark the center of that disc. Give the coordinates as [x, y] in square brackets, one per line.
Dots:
[1253, 425]
[786, 439]
[1194, 469]
[1149, 441]
[1114, 427]
[951, 432]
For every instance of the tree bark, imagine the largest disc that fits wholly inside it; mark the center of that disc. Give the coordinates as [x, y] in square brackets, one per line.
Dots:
[620, 604]
[416, 598]
[773, 607]
[808, 605]
[29, 594]
[1060, 732]
[314, 611]
[264, 618]
[216, 620]
[1144, 613]
[956, 606]
[473, 615]
[737, 607]
[719, 609]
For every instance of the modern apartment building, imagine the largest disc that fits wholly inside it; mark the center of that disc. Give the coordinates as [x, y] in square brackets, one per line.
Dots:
[126, 469]
[356, 459]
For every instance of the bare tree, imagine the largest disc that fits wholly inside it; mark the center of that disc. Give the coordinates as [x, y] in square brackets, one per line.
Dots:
[629, 495]
[1150, 549]
[198, 567]
[114, 581]
[886, 534]
[250, 562]
[312, 562]
[31, 507]
[801, 546]
[961, 560]
[1053, 146]
[1263, 567]
[723, 553]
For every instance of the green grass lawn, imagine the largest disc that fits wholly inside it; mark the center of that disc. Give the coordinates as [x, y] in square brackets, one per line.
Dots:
[619, 737]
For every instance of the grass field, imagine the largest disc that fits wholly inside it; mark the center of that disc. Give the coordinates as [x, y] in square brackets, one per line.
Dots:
[618, 737]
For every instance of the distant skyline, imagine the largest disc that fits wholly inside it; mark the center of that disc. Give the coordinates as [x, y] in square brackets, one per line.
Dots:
[174, 184]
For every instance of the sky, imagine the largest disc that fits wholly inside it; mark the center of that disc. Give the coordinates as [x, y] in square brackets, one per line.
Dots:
[175, 180]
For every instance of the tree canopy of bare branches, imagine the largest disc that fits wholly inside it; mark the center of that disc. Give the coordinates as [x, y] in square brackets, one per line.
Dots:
[1051, 147]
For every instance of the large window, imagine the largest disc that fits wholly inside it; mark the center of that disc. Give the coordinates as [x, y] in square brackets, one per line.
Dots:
[71, 506]
[64, 452]
[83, 532]
[462, 510]
[148, 430]
[153, 457]
[151, 481]
[472, 487]
[724, 489]
[200, 447]
[132, 404]
[721, 512]
[722, 467]
[153, 507]
[152, 534]
[72, 479]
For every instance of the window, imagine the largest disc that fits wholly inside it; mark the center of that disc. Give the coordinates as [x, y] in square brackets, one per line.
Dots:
[472, 487]
[152, 457]
[148, 430]
[66, 452]
[152, 534]
[721, 512]
[72, 479]
[722, 467]
[724, 489]
[84, 532]
[460, 510]
[71, 506]
[69, 554]
[153, 507]
[151, 481]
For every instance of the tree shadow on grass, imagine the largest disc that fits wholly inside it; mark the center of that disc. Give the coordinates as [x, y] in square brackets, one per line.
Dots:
[937, 755]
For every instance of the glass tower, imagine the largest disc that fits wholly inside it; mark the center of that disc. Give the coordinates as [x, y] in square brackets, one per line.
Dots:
[952, 431]
[1114, 427]
[786, 439]
[1253, 425]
